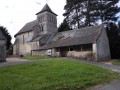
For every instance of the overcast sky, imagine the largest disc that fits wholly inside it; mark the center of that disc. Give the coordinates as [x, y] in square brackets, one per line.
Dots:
[14, 14]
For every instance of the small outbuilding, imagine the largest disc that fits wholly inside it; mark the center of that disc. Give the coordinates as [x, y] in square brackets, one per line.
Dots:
[87, 43]
[2, 47]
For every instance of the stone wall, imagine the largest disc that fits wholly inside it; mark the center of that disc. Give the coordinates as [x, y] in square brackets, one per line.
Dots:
[39, 53]
[103, 49]
[87, 55]
[24, 46]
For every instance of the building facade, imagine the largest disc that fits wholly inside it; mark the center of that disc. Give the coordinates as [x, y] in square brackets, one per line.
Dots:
[27, 37]
[40, 37]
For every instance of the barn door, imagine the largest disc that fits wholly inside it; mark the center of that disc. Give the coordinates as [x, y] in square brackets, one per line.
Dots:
[63, 52]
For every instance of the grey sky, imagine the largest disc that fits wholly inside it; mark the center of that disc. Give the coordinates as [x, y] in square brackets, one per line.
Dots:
[16, 13]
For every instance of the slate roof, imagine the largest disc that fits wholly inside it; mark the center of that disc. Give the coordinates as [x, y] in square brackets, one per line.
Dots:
[75, 37]
[2, 37]
[43, 39]
[28, 27]
[46, 8]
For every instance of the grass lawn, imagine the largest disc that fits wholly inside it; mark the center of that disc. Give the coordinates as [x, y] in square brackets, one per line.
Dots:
[53, 75]
[35, 57]
[116, 62]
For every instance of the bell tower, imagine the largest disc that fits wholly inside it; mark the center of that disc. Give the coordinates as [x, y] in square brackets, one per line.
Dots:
[47, 20]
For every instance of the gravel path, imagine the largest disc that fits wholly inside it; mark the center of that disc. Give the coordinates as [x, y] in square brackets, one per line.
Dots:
[14, 61]
[112, 86]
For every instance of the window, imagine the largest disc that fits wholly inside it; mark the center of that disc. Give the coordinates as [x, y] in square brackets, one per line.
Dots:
[43, 17]
[23, 39]
[87, 47]
[42, 27]
[48, 17]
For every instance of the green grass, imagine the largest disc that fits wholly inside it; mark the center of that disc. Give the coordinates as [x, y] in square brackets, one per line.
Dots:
[53, 75]
[116, 62]
[35, 57]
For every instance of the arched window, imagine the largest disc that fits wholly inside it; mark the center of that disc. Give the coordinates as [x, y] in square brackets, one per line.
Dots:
[43, 17]
[39, 19]
[52, 19]
[48, 17]
[42, 27]
[23, 39]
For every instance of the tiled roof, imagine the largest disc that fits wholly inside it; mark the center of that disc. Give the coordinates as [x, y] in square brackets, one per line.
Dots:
[75, 37]
[28, 27]
[46, 8]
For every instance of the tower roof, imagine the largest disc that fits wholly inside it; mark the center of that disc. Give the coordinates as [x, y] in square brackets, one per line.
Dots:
[46, 8]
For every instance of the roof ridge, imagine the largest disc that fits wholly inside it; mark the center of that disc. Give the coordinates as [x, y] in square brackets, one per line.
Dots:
[46, 8]
[26, 25]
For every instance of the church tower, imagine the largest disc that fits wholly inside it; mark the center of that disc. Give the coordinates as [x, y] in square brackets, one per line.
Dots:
[47, 20]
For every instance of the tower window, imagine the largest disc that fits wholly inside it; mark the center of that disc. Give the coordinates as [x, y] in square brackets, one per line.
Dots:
[23, 39]
[43, 17]
[42, 27]
[40, 18]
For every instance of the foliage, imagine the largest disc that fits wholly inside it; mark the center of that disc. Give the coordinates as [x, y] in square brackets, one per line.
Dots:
[7, 35]
[107, 10]
[35, 57]
[116, 62]
[64, 26]
[80, 13]
[113, 32]
[53, 75]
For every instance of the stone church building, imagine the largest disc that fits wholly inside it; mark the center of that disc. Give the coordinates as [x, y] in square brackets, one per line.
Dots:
[40, 37]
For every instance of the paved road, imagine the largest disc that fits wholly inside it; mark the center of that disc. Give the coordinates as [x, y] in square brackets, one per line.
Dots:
[115, 68]
[112, 86]
[14, 61]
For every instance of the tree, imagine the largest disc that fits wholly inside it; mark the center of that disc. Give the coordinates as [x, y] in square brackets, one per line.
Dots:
[72, 13]
[107, 10]
[64, 26]
[114, 39]
[7, 35]
[80, 13]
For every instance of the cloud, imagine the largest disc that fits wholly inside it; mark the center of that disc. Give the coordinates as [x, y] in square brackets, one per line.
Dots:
[38, 3]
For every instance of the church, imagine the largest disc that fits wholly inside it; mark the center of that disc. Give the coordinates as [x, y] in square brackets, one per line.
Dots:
[41, 37]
